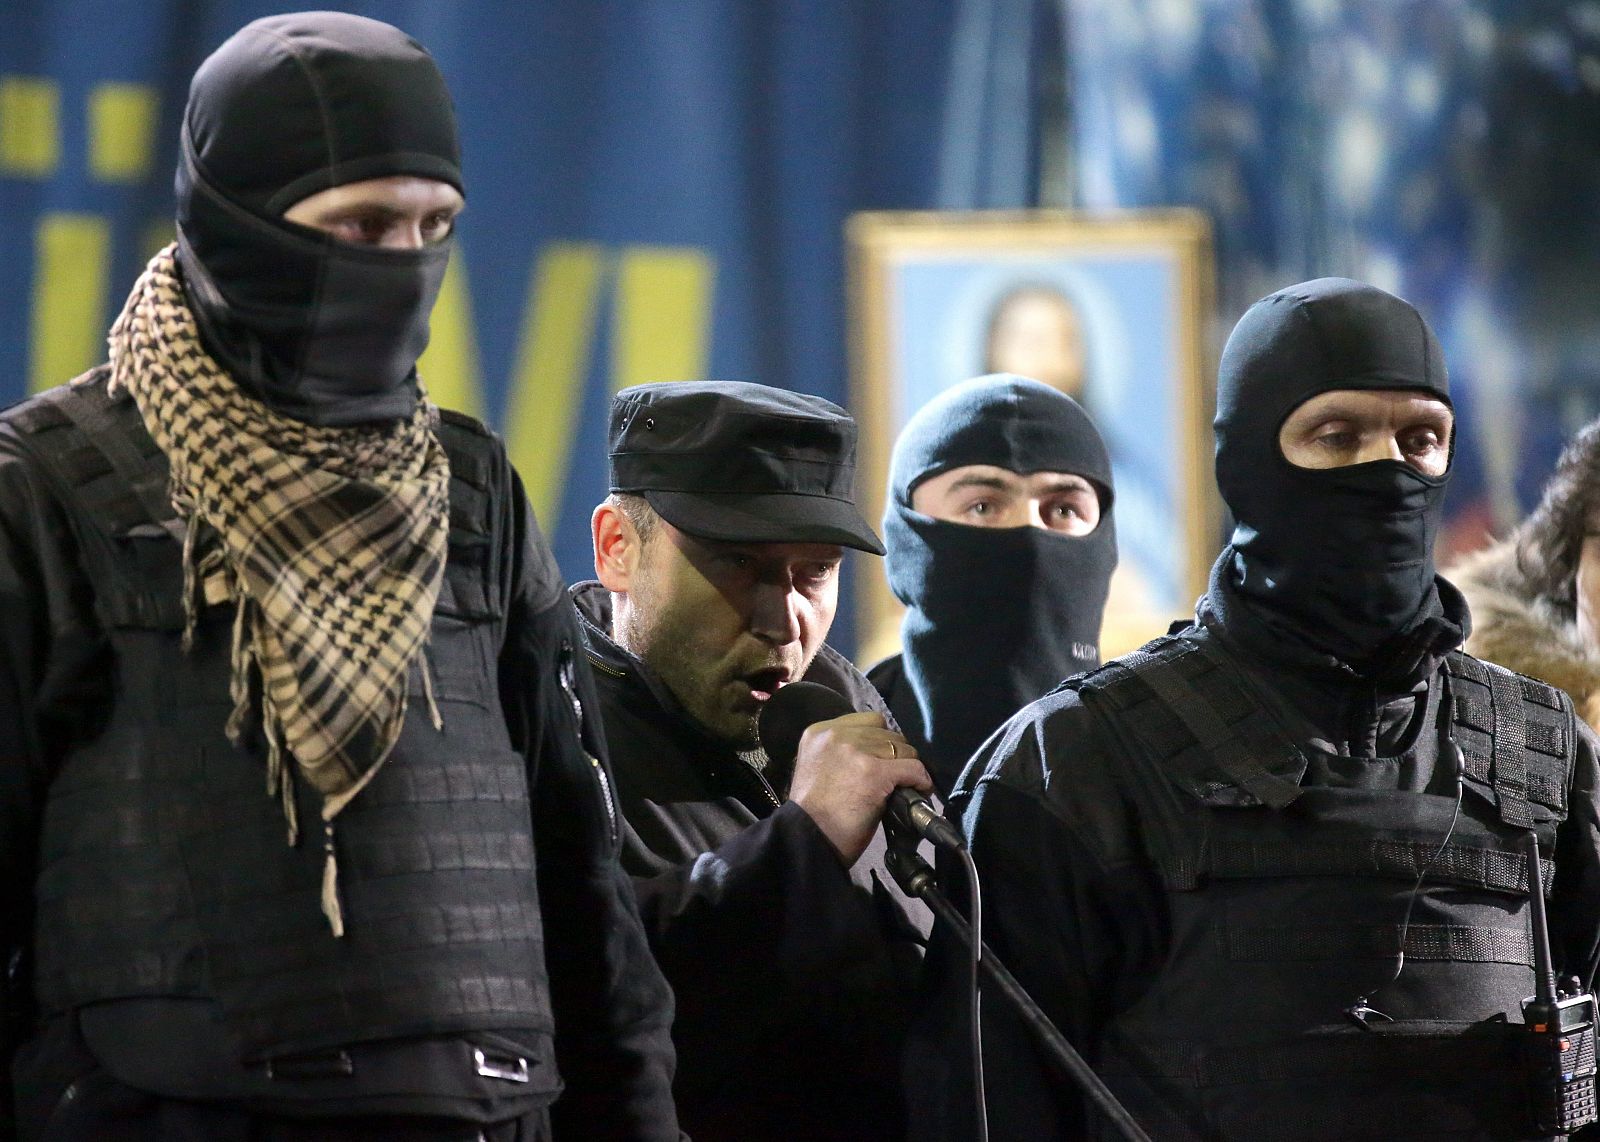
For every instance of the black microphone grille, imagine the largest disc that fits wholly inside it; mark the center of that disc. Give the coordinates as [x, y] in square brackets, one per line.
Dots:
[787, 713]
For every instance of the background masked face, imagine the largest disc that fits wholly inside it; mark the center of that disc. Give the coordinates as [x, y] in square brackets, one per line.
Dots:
[290, 106]
[1342, 555]
[995, 616]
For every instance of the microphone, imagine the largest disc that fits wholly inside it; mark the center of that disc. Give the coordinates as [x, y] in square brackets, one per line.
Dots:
[784, 718]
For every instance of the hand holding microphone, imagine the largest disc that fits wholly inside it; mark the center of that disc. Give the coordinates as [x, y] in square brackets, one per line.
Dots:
[847, 767]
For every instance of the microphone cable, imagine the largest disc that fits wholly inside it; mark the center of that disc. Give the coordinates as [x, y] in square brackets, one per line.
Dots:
[975, 954]
[1362, 1010]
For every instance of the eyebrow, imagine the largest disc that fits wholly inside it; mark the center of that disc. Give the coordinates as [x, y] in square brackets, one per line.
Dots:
[381, 210]
[1339, 410]
[1069, 483]
[975, 481]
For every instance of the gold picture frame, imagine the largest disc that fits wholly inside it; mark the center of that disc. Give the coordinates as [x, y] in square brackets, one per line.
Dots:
[928, 293]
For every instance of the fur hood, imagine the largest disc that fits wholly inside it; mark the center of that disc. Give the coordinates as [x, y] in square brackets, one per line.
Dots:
[1523, 632]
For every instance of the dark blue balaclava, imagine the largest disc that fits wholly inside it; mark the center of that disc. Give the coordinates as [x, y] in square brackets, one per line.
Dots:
[289, 106]
[1343, 557]
[996, 616]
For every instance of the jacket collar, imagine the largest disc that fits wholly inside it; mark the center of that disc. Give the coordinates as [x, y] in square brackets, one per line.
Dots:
[1411, 661]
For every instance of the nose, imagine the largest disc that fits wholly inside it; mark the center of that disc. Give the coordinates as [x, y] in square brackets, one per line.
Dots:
[774, 615]
[1380, 446]
[404, 236]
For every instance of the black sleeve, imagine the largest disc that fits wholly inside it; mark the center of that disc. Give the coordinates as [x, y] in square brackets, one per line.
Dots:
[613, 1008]
[766, 936]
[49, 641]
[1065, 908]
[776, 952]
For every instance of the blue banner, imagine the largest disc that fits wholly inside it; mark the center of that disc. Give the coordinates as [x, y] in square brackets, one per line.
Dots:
[656, 191]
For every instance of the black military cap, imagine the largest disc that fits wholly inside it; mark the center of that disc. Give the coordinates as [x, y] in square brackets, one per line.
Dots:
[735, 461]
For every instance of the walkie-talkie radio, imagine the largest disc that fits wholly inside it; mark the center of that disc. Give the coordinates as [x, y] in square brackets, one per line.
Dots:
[1561, 1030]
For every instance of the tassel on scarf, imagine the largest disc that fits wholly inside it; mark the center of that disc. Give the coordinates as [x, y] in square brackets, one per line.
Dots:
[427, 689]
[330, 883]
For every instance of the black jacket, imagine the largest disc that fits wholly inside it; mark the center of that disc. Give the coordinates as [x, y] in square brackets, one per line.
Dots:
[888, 677]
[1082, 910]
[62, 683]
[793, 975]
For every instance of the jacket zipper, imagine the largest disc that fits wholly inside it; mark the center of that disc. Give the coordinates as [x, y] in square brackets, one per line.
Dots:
[568, 674]
[761, 779]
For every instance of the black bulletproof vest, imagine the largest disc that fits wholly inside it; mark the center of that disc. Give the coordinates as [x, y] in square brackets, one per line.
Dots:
[164, 867]
[1286, 904]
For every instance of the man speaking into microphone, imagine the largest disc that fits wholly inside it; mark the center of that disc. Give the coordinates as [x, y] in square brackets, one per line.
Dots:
[718, 554]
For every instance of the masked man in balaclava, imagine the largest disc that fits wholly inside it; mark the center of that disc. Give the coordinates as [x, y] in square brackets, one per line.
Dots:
[1267, 873]
[289, 695]
[1001, 546]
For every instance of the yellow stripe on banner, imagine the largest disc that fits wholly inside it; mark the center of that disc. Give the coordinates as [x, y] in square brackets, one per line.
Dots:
[30, 135]
[449, 366]
[661, 327]
[552, 365]
[122, 131]
[71, 275]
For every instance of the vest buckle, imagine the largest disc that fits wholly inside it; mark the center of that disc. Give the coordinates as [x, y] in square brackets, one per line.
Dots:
[512, 1068]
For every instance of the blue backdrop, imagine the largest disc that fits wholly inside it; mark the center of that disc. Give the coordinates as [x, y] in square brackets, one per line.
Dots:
[656, 191]
[1448, 150]
[656, 188]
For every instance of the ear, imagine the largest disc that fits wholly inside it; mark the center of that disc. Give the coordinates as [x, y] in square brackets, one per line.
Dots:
[617, 548]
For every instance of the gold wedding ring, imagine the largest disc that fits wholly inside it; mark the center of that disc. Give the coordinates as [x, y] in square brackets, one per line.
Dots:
[894, 750]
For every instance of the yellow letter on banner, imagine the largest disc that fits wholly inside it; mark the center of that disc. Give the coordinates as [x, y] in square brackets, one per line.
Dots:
[662, 322]
[71, 275]
[30, 142]
[449, 366]
[122, 131]
[552, 365]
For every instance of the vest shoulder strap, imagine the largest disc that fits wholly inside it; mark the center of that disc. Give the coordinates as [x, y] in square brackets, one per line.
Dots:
[475, 453]
[95, 447]
[1200, 718]
[1516, 734]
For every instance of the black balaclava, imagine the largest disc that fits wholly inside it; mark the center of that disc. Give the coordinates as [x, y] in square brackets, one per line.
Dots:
[1342, 558]
[320, 330]
[997, 616]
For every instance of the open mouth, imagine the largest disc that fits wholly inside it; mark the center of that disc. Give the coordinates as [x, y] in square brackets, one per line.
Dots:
[765, 683]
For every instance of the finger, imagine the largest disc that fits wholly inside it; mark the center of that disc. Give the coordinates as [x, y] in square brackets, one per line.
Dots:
[898, 747]
[908, 771]
[867, 718]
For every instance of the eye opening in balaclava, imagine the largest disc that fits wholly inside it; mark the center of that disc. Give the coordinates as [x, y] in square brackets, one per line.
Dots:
[1442, 398]
[1341, 556]
[995, 616]
[1102, 492]
[321, 330]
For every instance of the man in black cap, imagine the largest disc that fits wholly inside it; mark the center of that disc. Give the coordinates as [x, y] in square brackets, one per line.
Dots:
[290, 698]
[1001, 546]
[1268, 872]
[718, 555]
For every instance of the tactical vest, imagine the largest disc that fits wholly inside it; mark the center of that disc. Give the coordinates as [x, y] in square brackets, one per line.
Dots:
[164, 867]
[1287, 904]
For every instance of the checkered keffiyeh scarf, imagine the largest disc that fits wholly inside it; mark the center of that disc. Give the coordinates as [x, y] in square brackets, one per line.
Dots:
[332, 548]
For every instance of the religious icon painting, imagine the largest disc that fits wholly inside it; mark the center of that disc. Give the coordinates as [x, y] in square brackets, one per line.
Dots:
[1109, 308]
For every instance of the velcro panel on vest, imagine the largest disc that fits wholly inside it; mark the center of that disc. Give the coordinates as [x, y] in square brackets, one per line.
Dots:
[1459, 943]
[1501, 870]
[1515, 735]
